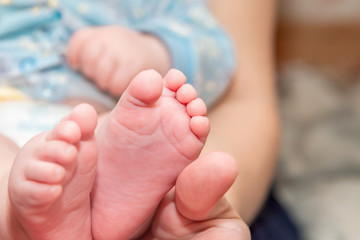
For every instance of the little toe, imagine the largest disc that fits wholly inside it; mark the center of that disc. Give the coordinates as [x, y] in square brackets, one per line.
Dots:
[196, 107]
[186, 93]
[200, 126]
[144, 89]
[44, 172]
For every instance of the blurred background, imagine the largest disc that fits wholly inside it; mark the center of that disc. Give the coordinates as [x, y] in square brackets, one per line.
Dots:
[318, 55]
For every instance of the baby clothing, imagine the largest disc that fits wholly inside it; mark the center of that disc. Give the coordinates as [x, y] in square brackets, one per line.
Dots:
[34, 36]
[33, 41]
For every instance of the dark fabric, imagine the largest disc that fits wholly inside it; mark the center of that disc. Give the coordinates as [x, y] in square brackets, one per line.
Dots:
[273, 223]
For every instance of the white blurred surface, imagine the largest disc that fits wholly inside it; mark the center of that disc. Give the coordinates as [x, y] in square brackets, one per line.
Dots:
[320, 11]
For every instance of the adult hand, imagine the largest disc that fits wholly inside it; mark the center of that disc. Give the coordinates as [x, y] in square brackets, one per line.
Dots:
[196, 209]
[112, 55]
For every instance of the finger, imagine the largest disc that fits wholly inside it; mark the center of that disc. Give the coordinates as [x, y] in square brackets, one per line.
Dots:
[201, 186]
[221, 233]
[76, 45]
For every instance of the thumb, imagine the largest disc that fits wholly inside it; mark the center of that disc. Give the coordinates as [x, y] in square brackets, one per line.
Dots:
[201, 186]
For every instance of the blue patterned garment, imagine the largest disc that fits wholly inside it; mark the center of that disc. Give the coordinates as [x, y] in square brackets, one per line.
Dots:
[34, 34]
[274, 223]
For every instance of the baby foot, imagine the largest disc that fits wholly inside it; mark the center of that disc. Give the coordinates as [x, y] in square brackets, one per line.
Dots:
[157, 128]
[51, 179]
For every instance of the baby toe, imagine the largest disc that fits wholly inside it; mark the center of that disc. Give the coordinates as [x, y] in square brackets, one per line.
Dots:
[186, 93]
[196, 107]
[174, 79]
[44, 172]
[200, 126]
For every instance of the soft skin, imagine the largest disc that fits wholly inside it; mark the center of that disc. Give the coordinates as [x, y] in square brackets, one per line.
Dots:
[251, 134]
[111, 56]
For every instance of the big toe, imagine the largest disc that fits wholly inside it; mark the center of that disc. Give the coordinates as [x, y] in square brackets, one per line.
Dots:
[145, 88]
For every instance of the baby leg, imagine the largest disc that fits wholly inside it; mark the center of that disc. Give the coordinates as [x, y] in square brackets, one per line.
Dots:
[8, 150]
[157, 128]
